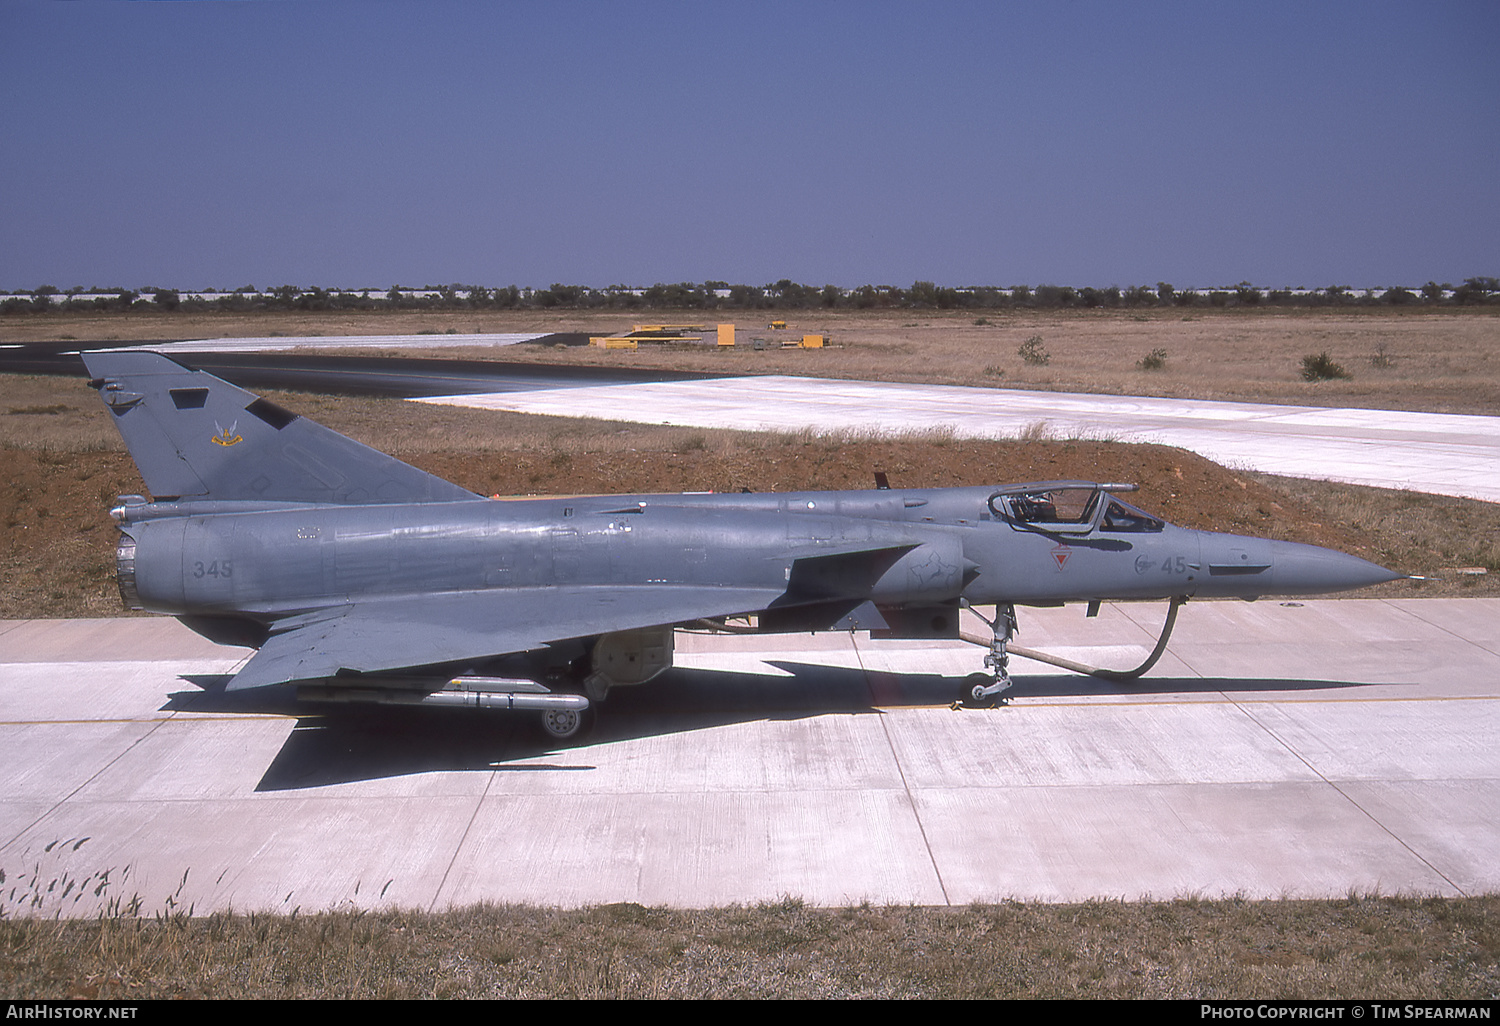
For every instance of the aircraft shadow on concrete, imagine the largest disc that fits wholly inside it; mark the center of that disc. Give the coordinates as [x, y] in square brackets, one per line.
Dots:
[336, 744]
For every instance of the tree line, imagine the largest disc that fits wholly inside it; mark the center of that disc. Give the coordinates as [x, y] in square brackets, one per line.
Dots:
[719, 295]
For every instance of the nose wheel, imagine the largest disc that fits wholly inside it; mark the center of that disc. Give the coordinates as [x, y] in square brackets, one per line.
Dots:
[979, 693]
[988, 688]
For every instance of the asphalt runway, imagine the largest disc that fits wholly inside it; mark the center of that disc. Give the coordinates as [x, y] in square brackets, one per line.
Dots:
[1297, 748]
[334, 374]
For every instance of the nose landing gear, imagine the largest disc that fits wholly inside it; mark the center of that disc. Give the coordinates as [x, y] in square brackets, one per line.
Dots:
[988, 688]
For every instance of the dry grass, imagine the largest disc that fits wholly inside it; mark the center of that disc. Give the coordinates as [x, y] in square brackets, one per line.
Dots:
[1361, 947]
[1445, 361]
[54, 413]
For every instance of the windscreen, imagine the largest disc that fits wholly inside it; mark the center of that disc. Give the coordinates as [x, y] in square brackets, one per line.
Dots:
[1126, 519]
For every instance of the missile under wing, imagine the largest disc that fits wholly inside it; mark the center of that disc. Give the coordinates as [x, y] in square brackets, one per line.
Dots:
[356, 576]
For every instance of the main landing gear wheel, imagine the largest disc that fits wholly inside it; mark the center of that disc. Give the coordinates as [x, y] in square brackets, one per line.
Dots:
[564, 724]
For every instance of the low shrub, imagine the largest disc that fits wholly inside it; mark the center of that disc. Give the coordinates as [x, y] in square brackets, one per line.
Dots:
[1321, 368]
[1033, 352]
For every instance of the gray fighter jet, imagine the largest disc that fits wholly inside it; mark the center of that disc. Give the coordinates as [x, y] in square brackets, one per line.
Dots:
[358, 577]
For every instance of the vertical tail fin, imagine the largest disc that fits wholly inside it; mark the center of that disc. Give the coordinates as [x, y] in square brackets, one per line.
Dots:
[194, 436]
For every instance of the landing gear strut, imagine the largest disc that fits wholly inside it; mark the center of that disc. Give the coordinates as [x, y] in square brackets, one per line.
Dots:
[981, 688]
[984, 688]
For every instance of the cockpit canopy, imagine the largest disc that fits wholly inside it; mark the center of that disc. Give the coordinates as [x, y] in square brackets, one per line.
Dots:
[1071, 507]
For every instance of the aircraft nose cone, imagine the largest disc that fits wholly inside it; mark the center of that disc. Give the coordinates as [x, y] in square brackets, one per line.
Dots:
[1309, 570]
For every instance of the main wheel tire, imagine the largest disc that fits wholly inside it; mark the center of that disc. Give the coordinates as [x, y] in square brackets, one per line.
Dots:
[566, 724]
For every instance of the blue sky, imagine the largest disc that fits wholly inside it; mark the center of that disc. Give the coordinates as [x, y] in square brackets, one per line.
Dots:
[368, 144]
